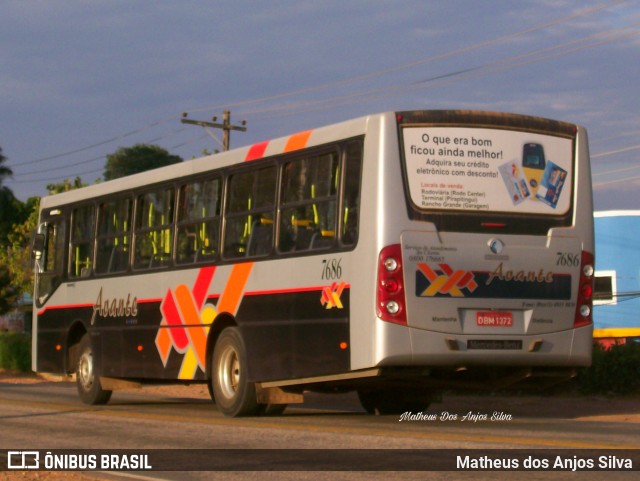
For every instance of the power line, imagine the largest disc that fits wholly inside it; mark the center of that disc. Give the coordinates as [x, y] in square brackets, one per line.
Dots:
[40, 171]
[472, 72]
[448, 78]
[435, 81]
[52, 169]
[98, 144]
[616, 171]
[53, 179]
[379, 73]
[616, 151]
[188, 141]
[95, 171]
[615, 181]
[502, 38]
[226, 127]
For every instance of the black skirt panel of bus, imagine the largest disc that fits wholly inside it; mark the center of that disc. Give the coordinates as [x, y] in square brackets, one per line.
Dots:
[292, 335]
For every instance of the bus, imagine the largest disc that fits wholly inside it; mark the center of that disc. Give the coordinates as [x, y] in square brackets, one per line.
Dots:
[394, 255]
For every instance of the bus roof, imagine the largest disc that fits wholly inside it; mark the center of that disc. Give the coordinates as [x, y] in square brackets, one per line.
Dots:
[309, 138]
[290, 143]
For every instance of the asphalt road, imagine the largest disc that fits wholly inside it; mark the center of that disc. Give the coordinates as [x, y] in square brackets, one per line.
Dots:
[48, 416]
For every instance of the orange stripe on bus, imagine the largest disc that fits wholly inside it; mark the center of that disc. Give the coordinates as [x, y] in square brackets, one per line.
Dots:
[172, 318]
[298, 141]
[196, 331]
[163, 343]
[187, 306]
[201, 286]
[256, 151]
[233, 291]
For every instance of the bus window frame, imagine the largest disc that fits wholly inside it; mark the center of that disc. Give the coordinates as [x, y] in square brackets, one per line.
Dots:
[112, 236]
[215, 175]
[337, 153]
[342, 193]
[242, 169]
[90, 241]
[60, 223]
[165, 262]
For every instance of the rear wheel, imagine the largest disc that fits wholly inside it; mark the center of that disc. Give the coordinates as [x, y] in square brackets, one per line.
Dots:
[233, 393]
[87, 375]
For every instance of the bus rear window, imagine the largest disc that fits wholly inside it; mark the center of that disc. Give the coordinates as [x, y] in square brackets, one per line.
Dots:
[487, 170]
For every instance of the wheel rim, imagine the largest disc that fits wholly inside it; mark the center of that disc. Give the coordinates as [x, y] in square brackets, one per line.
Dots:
[85, 370]
[229, 372]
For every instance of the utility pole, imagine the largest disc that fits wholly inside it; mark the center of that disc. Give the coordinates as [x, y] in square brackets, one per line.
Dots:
[226, 127]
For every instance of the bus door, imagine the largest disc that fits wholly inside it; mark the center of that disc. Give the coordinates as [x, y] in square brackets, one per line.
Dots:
[49, 252]
[49, 249]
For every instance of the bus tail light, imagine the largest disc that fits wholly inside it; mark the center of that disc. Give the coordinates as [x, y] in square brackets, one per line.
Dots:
[584, 304]
[390, 302]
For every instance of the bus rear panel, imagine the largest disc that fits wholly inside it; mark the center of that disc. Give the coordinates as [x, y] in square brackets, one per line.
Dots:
[494, 267]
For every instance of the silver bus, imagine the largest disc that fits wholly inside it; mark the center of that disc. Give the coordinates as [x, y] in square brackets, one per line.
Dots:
[395, 255]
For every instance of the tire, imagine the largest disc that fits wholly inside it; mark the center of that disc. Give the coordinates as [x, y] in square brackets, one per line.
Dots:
[210, 389]
[233, 393]
[87, 375]
[368, 400]
[391, 401]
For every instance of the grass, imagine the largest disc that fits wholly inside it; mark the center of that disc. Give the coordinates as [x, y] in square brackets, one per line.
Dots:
[15, 351]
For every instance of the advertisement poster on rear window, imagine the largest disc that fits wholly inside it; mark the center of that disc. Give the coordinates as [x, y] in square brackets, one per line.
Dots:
[473, 169]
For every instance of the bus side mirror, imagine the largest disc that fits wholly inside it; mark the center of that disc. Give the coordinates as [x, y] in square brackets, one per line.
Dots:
[38, 246]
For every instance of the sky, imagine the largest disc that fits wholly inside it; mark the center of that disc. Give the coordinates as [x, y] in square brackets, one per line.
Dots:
[79, 79]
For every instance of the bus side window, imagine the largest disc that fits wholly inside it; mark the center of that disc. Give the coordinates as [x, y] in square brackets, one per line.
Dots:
[81, 264]
[351, 203]
[114, 236]
[250, 213]
[154, 229]
[199, 221]
[308, 200]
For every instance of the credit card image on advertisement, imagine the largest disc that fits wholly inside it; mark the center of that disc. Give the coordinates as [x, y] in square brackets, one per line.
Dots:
[533, 164]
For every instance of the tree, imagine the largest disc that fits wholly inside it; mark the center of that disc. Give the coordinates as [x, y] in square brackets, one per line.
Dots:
[12, 212]
[4, 170]
[11, 209]
[139, 158]
[65, 186]
[16, 270]
[16, 264]
[8, 293]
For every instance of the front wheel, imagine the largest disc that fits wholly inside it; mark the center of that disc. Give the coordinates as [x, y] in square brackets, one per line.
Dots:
[87, 379]
[233, 393]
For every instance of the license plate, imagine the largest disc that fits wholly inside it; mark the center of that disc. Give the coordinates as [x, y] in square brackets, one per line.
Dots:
[494, 319]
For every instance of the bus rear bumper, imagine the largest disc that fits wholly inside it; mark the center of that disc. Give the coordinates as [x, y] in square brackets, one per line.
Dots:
[405, 346]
